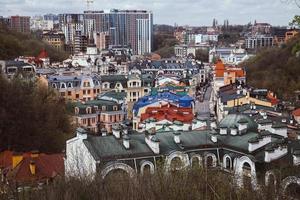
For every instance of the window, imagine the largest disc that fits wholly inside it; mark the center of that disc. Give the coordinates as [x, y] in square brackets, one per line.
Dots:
[76, 110]
[104, 108]
[95, 91]
[88, 110]
[63, 85]
[69, 85]
[115, 108]
[62, 94]
[69, 93]
[54, 85]
[86, 84]
[89, 91]
[84, 91]
[77, 96]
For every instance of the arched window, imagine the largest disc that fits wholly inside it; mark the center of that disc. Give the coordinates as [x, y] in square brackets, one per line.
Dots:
[54, 85]
[63, 86]
[88, 110]
[69, 85]
[76, 110]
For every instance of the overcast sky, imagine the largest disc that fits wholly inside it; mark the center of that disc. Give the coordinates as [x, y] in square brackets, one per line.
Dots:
[182, 12]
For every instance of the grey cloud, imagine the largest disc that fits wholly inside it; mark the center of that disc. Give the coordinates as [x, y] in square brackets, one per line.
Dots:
[193, 12]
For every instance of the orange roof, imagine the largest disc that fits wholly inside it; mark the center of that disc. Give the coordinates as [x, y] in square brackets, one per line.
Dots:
[220, 65]
[43, 54]
[47, 166]
[296, 112]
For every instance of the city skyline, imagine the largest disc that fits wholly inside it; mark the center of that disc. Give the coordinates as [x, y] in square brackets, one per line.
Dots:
[182, 12]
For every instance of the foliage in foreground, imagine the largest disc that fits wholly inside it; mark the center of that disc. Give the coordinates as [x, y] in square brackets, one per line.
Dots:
[31, 117]
[193, 184]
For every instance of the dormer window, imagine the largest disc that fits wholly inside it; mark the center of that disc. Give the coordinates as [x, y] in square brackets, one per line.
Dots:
[76, 110]
[86, 84]
[88, 110]
[54, 85]
[63, 86]
[115, 108]
[103, 108]
[69, 85]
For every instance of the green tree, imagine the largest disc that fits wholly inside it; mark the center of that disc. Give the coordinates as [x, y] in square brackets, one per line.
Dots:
[31, 117]
[202, 55]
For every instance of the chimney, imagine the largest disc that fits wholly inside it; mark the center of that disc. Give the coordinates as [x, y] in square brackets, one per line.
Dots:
[177, 137]
[81, 133]
[214, 137]
[116, 130]
[296, 157]
[32, 167]
[16, 159]
[233, 130]
[126, 141]
[34, 154]
[153, 143]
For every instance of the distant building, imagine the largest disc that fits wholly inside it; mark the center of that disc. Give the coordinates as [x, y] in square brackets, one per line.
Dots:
[132, 28]
[183, 51]
[261, 29]
[279, 35]
[39, 23]
[101, 40]
[259, 41]
[225, 75]
[55, 39]
[71, 24]
[20, 24]
[290, 34]
[232, 56]
[80, 43]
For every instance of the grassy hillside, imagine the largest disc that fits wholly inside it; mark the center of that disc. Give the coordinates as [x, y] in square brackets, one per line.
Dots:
[277, 69]
[14, 44]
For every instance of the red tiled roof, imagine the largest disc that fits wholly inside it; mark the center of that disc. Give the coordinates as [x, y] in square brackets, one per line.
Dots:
[47, 166]
[296, 112]
[43, 54]
[170, 113]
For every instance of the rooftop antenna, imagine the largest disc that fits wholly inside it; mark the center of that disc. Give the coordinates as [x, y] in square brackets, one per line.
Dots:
[89, 3]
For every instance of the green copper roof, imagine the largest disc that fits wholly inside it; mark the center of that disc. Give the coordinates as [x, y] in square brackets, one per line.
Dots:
[233, 119]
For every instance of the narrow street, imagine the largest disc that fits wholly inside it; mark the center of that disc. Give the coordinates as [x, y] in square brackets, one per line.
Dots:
[202, 108]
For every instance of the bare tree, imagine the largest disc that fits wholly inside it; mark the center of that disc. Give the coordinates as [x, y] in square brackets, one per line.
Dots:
[296, 2]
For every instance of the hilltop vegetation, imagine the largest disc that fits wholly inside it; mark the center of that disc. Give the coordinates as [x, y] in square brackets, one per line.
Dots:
[31, 118]
[14, 44]
[164, 41]
[277, 69]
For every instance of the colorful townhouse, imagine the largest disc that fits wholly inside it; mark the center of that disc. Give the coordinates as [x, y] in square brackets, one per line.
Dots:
[160, 101]
[234, 95]
[135, 85]
[99, 116]
[76, 88]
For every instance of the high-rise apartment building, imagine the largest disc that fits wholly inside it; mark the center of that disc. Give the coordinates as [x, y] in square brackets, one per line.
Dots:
[132, 28]
[71, 24]
[20, 24]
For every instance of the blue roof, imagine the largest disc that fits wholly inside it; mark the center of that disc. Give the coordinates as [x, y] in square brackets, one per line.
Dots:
[185, 101]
